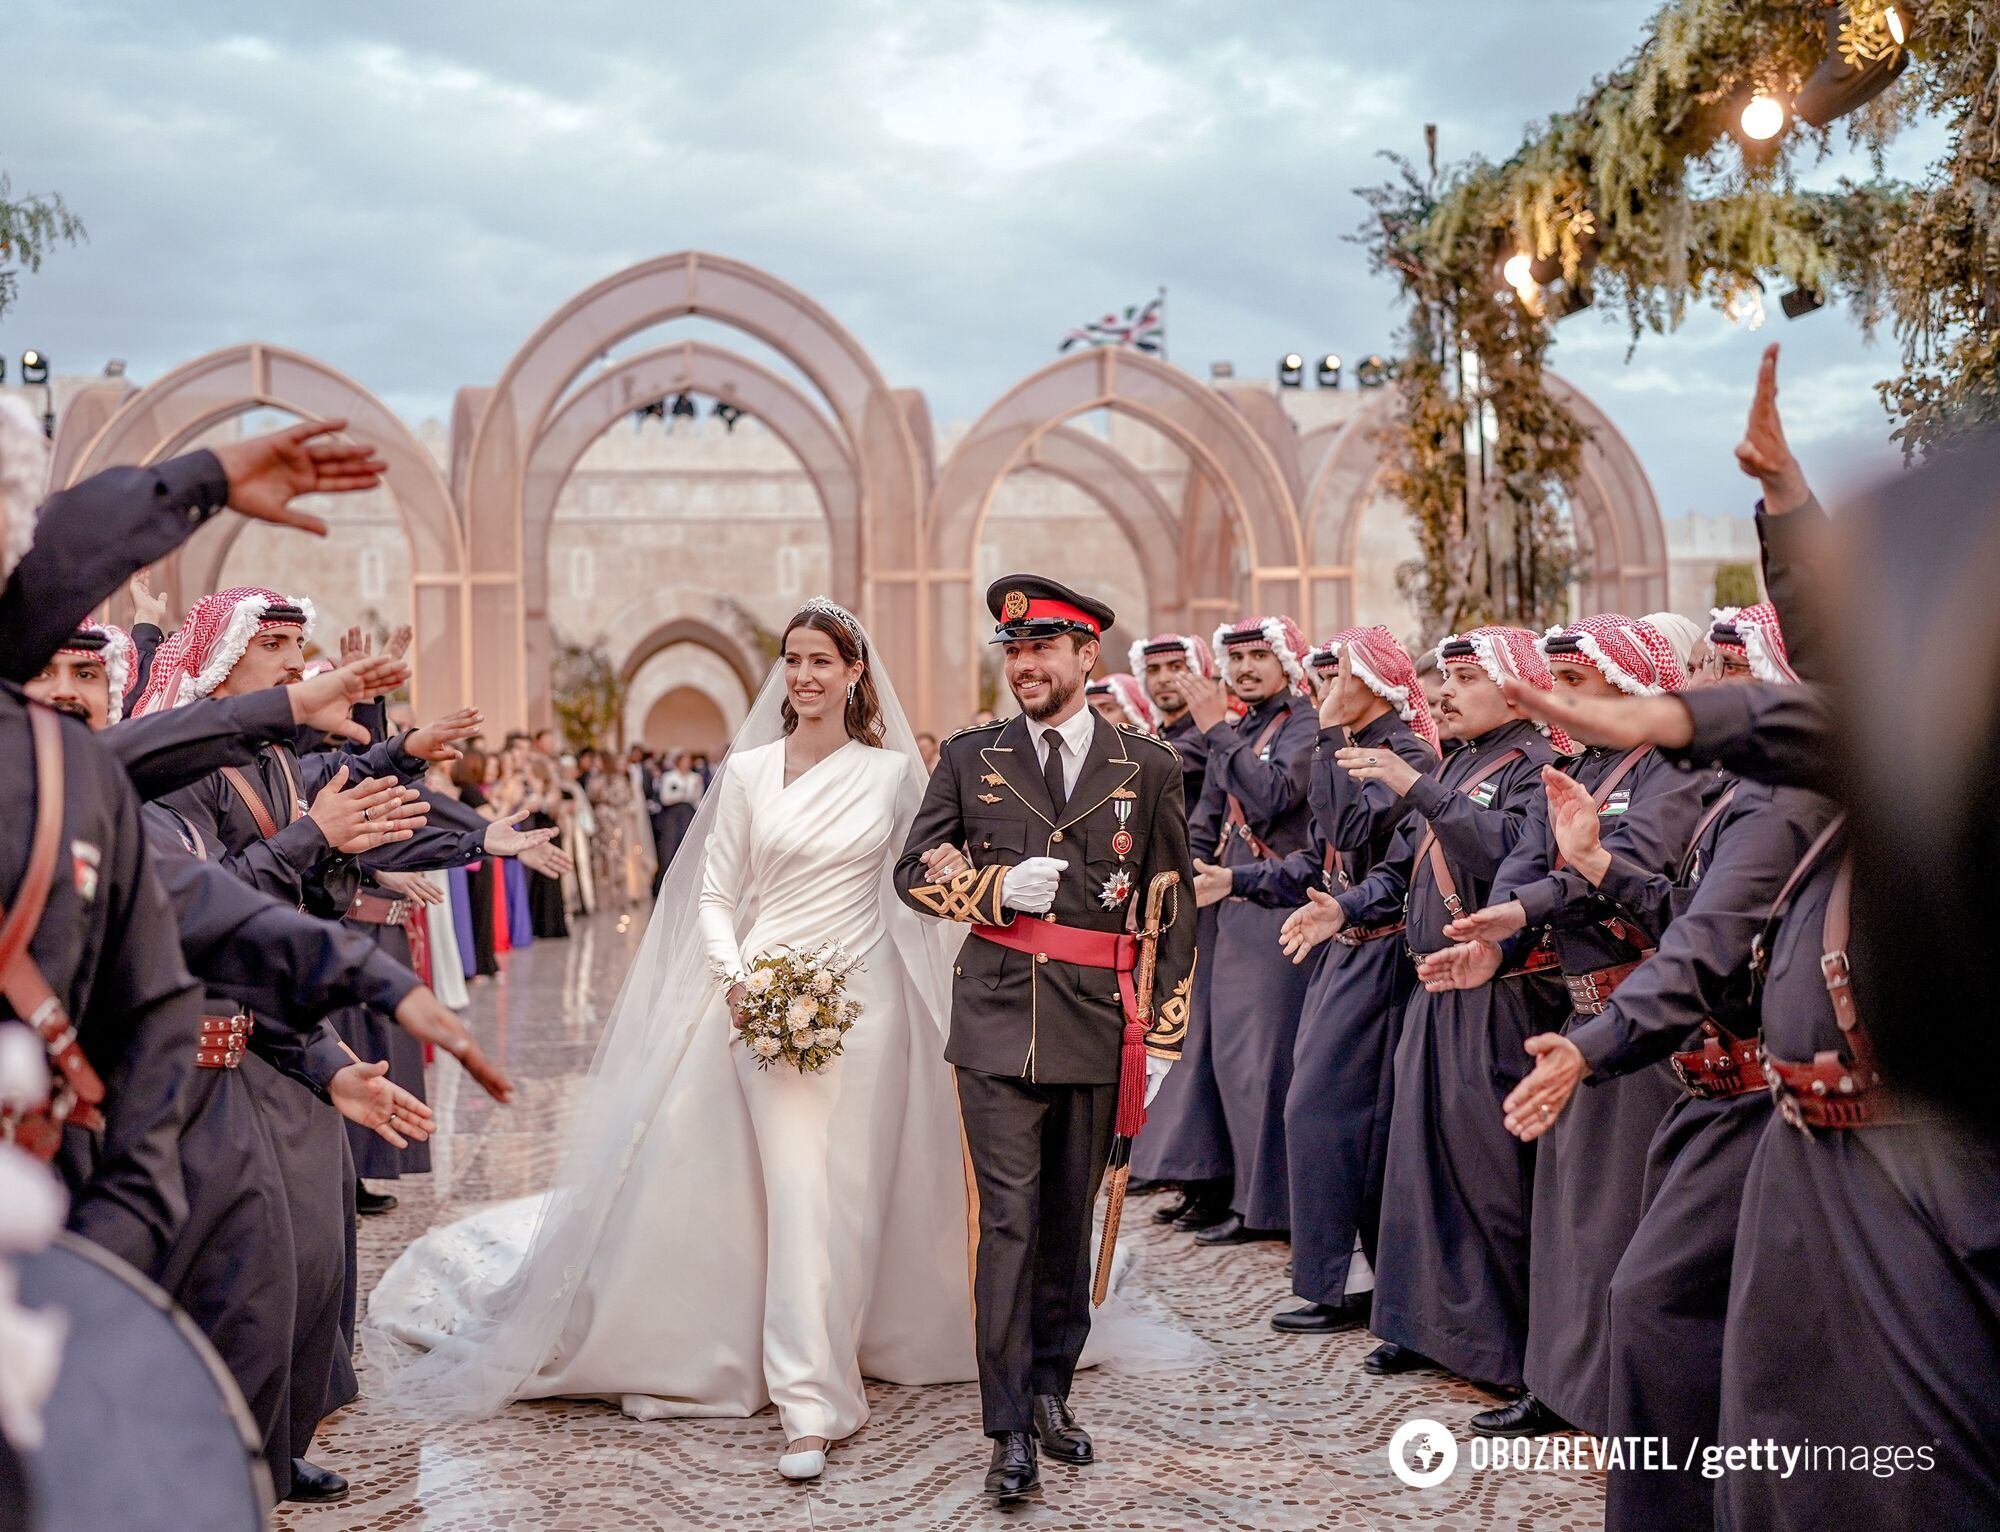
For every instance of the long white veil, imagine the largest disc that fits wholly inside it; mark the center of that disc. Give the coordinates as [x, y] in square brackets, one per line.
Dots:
[514, 1328]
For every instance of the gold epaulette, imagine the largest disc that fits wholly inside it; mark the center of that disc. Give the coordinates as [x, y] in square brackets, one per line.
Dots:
[973, 728]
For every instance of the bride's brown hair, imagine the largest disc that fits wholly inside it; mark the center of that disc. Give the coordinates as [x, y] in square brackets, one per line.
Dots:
[864, 707]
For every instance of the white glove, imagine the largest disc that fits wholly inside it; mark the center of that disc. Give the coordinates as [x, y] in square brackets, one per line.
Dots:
[1030, 886]
[1156, 1075]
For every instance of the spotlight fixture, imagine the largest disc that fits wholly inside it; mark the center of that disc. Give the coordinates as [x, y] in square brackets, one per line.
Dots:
[1373, 372]
[1801, 301]
[1291, 370]
[1328, 375]
[1836, 88]
[1763, 118]
[34, 367]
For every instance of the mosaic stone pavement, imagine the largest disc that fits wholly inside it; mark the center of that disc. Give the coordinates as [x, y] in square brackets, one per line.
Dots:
[1270, 1432]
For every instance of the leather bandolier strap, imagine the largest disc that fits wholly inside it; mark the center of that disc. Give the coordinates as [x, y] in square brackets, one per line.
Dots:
[79, 1093]
[1235, 821]
[1829, 1091]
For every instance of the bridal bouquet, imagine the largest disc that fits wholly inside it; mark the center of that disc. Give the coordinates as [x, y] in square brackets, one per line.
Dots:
[795, 1009]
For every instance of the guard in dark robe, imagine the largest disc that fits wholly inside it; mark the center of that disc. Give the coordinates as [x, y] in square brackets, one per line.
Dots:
[1451, 1280]
[1045, 835]
[102, 948]
[1590, 1167]
[1187, 1138]
[1337, 1115]
[1253, 808]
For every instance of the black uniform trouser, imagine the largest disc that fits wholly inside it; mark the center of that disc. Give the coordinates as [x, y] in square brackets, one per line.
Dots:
[1038, 1154]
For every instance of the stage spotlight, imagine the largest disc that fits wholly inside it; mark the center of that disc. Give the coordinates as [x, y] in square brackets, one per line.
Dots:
[1800, 301]
[1292, 370]
[1835, 89]
[34, 367]
[1763, 118]
[1373, 372]
[1329, 371]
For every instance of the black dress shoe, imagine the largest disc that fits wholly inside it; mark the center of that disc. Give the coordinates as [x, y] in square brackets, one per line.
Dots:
[1176, 1210]
[1061, 1437]
[1324, 1318]
[1234, 1231]
[314, 1485]
[1526, 1416]
[1013, 1475]
[1388, 1359]
[369, 1203]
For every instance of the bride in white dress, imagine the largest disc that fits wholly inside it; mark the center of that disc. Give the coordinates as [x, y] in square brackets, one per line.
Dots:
[723, 1236]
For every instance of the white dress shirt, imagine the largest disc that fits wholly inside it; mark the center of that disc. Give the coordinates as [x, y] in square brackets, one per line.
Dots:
[1075, 734]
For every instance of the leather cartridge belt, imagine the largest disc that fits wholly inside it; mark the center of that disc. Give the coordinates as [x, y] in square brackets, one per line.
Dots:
[1046, 941]
[1590, 993]
[1721, 1067]
[223, 1039]
[379, 910]
[1832, 1093]
[1349, 936]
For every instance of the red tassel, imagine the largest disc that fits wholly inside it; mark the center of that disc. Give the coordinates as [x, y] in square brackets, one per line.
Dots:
[1132, 1082]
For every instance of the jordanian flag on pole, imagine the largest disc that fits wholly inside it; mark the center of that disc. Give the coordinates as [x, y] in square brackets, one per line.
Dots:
[1143, 327]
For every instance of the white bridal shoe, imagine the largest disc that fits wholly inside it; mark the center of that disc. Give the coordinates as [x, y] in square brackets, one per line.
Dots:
[803, 1465]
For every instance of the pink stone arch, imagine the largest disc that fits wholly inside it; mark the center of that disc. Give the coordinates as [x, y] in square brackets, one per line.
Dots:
[1224, 449]
[164, 417]
[492, 488]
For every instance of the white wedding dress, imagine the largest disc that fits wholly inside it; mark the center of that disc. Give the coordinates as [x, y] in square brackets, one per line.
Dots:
[721, 1237]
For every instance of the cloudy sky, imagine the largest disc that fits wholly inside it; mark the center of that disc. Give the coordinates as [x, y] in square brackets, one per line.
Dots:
[408, 190]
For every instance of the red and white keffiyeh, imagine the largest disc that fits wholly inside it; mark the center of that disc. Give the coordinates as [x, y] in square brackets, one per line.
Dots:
[1629, 652]
[114, 651]
[207, 645]
[1199, 659]
[1503, 652]
[1752, 632]
[1386, 669]
[1131, 698]
[1282, 635]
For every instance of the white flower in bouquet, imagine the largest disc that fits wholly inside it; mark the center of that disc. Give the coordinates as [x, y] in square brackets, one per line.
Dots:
[826, 1037]
[766, 1047]
[802, 1012]
[761, 981]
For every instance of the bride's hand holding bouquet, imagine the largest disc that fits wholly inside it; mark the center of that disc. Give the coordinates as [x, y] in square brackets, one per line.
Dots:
[790, 1007]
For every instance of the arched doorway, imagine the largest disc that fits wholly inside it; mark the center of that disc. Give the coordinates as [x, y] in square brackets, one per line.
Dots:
[167, 415]
[1229, 457]
[493, 487]
[1621, 540]
[684, 367]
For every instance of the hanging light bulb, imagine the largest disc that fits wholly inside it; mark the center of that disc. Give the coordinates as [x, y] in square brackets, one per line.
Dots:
[1763, 117]
[1897, 30]
[1519, 271]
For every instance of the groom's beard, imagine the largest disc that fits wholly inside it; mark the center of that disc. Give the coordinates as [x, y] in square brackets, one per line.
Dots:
[1053, 703]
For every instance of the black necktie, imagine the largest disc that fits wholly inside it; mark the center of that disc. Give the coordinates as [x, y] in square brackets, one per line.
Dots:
[1052, 772]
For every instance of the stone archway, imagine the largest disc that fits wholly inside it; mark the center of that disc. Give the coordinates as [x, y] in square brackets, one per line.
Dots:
[493, 483]
[1621, 539]
[685, 366]
[168, 414]
[1227, 453]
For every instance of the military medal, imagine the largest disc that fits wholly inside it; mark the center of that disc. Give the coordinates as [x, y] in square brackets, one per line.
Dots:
[1117, 889]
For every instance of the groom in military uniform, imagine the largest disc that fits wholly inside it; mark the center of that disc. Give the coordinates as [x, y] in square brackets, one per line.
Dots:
[1044, 834]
